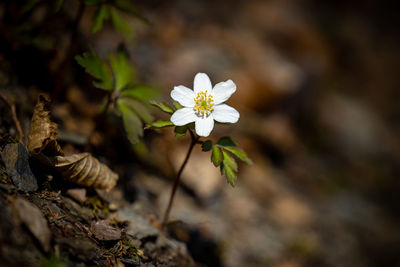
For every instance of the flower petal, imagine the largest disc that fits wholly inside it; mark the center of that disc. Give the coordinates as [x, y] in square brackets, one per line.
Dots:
[222, 91]
[183, 116]
[204, 126]
[183, 95]
[202, 83]
[225, 113]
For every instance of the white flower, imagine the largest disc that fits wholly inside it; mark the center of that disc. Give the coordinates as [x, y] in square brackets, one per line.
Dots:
[204, 104]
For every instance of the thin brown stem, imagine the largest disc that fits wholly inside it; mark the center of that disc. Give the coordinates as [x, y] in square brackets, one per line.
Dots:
[178, 177]
[100, 119]
[14, 117]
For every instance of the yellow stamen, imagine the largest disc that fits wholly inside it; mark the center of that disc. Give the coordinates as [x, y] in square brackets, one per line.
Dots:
[203, 104]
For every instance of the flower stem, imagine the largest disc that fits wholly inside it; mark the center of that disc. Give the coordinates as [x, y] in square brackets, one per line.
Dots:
[178, 177]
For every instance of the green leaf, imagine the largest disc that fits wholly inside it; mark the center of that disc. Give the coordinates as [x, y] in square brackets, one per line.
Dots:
[229, 161]
[127, 6]
[239, 153]
[143, 112]
[163, 106]
[180, 130]
[141, 92]
[138, 107]
[230, 175]
[122, 70]
[177, 105]
[121, 25]
[159, 124]
[102, 13]
[216, 156]
[133, 125]
[59, 4]
[96, 67]
[191, 125]
[207, 145]
[226, 141]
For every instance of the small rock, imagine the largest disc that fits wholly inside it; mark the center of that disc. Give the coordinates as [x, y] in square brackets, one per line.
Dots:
[138, 226]
[103, 231]
[33, 218]
[15, 157]
[79, 194]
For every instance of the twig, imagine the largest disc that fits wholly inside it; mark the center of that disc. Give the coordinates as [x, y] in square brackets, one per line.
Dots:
[14, 117]
[178, 177]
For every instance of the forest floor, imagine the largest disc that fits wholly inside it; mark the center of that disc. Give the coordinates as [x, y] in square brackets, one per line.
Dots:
[56, 226]
[318, 98]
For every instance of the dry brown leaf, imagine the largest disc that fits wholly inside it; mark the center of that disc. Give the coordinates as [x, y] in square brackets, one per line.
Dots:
[42, 138]
[84, 169]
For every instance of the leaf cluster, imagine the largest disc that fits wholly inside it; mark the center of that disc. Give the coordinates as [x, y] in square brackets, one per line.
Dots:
[114, 11]
[224, 150]
[117, 77]
[222, 157]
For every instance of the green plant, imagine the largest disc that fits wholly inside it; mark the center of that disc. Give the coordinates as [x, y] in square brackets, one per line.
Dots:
[194, 111]
[125, 95]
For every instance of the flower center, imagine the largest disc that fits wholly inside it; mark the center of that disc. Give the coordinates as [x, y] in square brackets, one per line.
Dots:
[203, 104]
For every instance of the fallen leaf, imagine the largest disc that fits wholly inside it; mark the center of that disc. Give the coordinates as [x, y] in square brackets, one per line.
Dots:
[42, 137]
[84, 169]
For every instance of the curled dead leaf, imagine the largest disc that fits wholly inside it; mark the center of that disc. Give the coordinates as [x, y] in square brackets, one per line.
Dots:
[86, 170]
[42, 138]
[82, 169]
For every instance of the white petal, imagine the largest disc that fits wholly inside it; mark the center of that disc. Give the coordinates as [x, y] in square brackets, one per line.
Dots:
[225, 113]
[183, 95]
[222, 91]
[183, 116]
[202, 83]
[204, 126]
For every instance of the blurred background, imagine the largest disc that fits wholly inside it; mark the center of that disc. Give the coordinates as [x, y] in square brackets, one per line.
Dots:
[318, 91]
